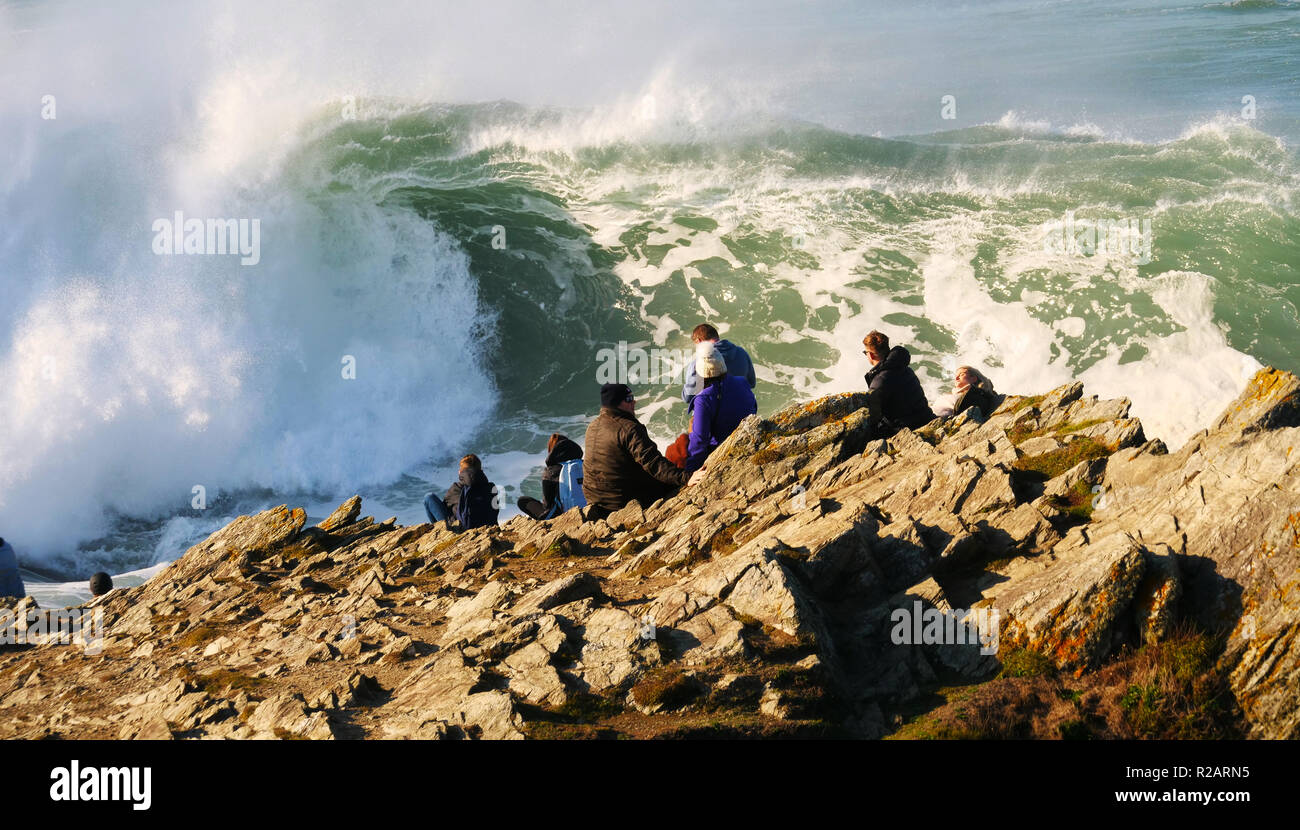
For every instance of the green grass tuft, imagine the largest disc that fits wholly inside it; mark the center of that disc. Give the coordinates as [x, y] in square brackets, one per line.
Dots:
[1049, 465]
[1077, 502]
[1027, 663]
[666, 686]
[1180, 693]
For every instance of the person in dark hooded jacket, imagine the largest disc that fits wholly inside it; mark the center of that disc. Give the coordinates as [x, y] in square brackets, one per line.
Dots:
[896, 398]
[11, 581]
[559, 449]
[471, 501]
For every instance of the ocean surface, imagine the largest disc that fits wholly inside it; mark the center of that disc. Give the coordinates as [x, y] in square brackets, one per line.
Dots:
[463, 208]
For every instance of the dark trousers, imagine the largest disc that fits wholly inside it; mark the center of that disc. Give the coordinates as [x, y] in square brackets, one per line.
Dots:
[530, 506]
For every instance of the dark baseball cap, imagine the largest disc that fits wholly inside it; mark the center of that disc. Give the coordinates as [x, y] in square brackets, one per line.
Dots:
[613, 394]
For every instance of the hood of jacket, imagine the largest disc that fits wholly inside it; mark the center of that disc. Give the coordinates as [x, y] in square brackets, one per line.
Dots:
[898, 358]
[565, 450]
[731, 353]
[470, 477]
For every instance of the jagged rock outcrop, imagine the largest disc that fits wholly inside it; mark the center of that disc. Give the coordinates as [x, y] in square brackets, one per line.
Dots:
[816, 580]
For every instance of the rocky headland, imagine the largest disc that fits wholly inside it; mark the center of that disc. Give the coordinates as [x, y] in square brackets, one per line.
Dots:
[1129, 591]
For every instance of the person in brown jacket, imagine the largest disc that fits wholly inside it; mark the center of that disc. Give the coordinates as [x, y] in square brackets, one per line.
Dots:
[620, 462]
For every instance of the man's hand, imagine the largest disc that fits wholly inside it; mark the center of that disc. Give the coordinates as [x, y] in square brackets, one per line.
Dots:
[696, 477]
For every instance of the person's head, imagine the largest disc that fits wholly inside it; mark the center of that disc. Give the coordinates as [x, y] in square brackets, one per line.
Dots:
[617, 396]
[709, 362]
[970, 376]
[100, 584]
[877, 346]
[555, 439]
[704, 333]
[471, 462]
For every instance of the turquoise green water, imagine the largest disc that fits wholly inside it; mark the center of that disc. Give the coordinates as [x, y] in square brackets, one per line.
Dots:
[800, 239]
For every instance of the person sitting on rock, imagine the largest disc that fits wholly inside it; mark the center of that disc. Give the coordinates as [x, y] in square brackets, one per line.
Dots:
[736, 358]
[471, 501]
[972, 389]
[724, 402]
[622, 464]
[561, 480]
[11, 581]
[895, 396]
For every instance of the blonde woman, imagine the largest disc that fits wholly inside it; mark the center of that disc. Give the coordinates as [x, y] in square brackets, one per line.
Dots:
[972, 389]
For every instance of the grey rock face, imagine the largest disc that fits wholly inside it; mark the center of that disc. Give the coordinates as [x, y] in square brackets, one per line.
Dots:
[774, 585]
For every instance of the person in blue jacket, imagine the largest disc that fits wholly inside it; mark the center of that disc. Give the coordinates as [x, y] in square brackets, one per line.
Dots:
[11, 582]
[737, 360]
[723, 403]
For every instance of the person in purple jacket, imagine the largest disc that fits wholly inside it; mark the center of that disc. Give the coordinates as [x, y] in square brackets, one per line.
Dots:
[719, 408]
[738, 362]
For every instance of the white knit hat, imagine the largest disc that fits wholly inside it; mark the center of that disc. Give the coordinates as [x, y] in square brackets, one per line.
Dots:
[708, 361]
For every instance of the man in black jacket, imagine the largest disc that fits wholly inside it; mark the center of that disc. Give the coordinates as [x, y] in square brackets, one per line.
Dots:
[896, 400]
[621, 463]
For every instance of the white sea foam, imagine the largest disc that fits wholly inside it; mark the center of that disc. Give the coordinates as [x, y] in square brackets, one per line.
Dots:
[1182, 382]
[130, 378]
[1024, 352]
[1186, 379]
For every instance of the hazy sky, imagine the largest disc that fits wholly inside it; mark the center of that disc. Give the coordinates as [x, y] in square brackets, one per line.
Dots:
[1144, 67]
